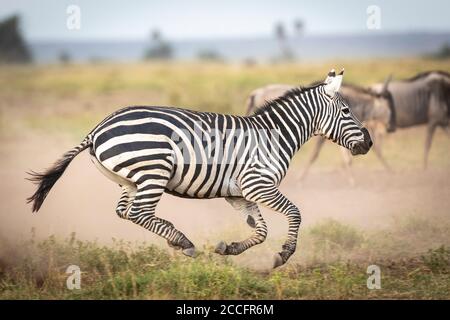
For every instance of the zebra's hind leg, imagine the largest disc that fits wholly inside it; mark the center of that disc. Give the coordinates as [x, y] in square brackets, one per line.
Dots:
[142, 212]
[125, 201]
[254, 220]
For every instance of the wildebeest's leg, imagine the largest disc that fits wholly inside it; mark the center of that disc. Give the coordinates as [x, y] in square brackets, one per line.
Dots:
[254, 219]
[126, 199]
[377, 143]
[438, 115]
[428, 140]
[447, 130]
[318, 146]
[348, 159]
[271, 197]
[142, 212]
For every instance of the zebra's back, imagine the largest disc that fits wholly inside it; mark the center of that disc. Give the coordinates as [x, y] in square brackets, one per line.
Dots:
[186, 152]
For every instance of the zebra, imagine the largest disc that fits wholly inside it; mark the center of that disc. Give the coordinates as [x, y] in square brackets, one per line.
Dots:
[203, 155]
[375, 109]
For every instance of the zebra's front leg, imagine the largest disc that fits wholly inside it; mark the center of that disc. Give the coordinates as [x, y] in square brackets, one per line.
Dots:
[254, 219]
[271, 197]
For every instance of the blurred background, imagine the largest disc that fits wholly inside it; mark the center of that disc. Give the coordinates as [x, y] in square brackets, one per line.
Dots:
[81, 31]
[66, 65]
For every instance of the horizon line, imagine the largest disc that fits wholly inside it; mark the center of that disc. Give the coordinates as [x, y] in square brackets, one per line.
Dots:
[247, 37]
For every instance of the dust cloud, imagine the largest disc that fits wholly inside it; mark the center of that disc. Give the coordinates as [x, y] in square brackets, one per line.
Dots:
[83, 201]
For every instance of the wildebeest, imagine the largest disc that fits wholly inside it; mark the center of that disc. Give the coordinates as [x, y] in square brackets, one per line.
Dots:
[375, 109]
[422, 99]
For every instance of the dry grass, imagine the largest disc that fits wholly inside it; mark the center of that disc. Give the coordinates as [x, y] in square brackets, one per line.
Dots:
[413, 252]
[133, 271]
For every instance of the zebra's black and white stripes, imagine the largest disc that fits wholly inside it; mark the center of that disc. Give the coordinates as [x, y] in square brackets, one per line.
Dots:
[152, 150]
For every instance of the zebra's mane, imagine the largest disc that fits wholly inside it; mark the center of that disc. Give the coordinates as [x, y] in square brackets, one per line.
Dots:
[427, 73]
[269, 104]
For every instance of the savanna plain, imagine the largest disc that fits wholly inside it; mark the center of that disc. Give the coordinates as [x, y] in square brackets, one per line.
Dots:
[398, 221]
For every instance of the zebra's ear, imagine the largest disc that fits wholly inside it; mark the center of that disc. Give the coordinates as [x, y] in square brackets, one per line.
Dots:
[334, 83]
[330, 76]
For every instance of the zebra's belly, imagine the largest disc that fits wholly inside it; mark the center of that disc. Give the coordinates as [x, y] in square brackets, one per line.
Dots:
[206, 190]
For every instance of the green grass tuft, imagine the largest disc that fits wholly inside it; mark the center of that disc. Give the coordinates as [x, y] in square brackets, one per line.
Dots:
[126, 270]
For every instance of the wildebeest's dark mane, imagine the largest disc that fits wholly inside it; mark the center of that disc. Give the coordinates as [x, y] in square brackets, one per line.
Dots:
[360, 89]
[286, 96]
[355, 87]
[424, 74]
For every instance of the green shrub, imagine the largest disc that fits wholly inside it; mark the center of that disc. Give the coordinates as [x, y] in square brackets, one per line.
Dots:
[438, 260]
[332, 234]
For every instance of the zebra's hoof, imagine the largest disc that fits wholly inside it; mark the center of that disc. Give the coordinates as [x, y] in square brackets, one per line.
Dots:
[278, 261]
[190, 252]
[221, 248]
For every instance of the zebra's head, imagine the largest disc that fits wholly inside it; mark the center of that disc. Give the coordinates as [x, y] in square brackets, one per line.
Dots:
[336, 120]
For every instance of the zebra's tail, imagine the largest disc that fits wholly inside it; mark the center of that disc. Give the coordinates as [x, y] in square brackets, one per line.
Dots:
[47, 179]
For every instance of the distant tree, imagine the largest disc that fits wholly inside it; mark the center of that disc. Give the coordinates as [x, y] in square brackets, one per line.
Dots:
[209, 55]
[442, 53]
[159, 48]
[12, 45]
[64, 57]
[156, 35]
[281, 36]
[280, 32]
[298, 27]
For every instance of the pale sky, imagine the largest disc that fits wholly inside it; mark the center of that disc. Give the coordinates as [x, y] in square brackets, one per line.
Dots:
[187, 19]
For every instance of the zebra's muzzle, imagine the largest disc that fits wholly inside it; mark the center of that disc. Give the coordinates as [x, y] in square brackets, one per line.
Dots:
[362, 147]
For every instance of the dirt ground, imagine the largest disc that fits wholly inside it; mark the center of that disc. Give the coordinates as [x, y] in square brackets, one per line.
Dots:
[83, 200]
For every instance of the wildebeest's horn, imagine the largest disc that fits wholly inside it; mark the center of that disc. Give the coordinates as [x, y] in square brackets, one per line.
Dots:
[386, 83]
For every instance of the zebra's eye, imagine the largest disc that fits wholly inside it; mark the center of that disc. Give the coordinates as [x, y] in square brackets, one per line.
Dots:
[345, 111]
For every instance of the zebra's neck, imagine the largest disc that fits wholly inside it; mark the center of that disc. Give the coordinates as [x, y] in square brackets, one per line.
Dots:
[293, 117]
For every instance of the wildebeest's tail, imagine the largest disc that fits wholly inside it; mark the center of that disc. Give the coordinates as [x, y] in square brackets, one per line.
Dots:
[47, 179]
